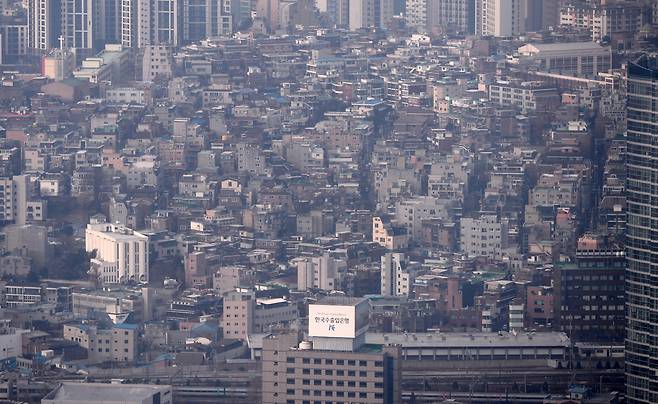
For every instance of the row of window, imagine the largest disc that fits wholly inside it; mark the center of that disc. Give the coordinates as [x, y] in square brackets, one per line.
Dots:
[338, 383]
[377, 395]
[330, 372]
[596, 277]
[339, 362]
[329, 393]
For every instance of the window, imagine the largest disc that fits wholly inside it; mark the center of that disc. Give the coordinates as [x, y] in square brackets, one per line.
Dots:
[329, 372]
[306, 360]
[290, 370]
[363, 363]
[290, 381]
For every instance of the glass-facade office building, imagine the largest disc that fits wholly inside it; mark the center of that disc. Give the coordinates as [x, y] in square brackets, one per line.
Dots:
[642, 236]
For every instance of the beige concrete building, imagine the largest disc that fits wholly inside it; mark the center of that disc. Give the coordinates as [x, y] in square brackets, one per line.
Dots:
[105, 393]
[227, 278]
[584, 59]
[336, 366]
[113, 303]
[427, 15]
[29, 241]
[118, 344]
[58, 64]
[246, 314]
[320, 272]
[615, 21]
[483, 236]
[500, 18]
[157, 62]
[528, 96]
[369, 13]
[111, 64]
[387, 235]
[20, 204]
[397, 274]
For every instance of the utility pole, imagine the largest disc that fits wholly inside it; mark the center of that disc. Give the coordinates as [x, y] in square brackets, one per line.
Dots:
[601, 384]
[470, 390]
[571, 357]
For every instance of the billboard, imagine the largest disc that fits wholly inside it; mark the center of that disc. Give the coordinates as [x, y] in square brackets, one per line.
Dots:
[331, 321]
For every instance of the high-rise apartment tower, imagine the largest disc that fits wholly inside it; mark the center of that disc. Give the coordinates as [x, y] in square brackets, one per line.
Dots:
[642, 236]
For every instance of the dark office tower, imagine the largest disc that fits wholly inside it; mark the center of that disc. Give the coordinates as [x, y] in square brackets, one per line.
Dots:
[642, 233]
[241, 10]
[110, 21]
[87, 25]
[205, 19]
[195, 16]
[589, 294]
[541, 14]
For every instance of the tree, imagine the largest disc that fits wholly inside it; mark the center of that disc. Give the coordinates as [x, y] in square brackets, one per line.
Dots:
[70, 264]
[32, 276]
[245, 24]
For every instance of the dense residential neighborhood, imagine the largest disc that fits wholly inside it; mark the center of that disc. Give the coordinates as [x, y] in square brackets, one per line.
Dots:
[339, 201]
